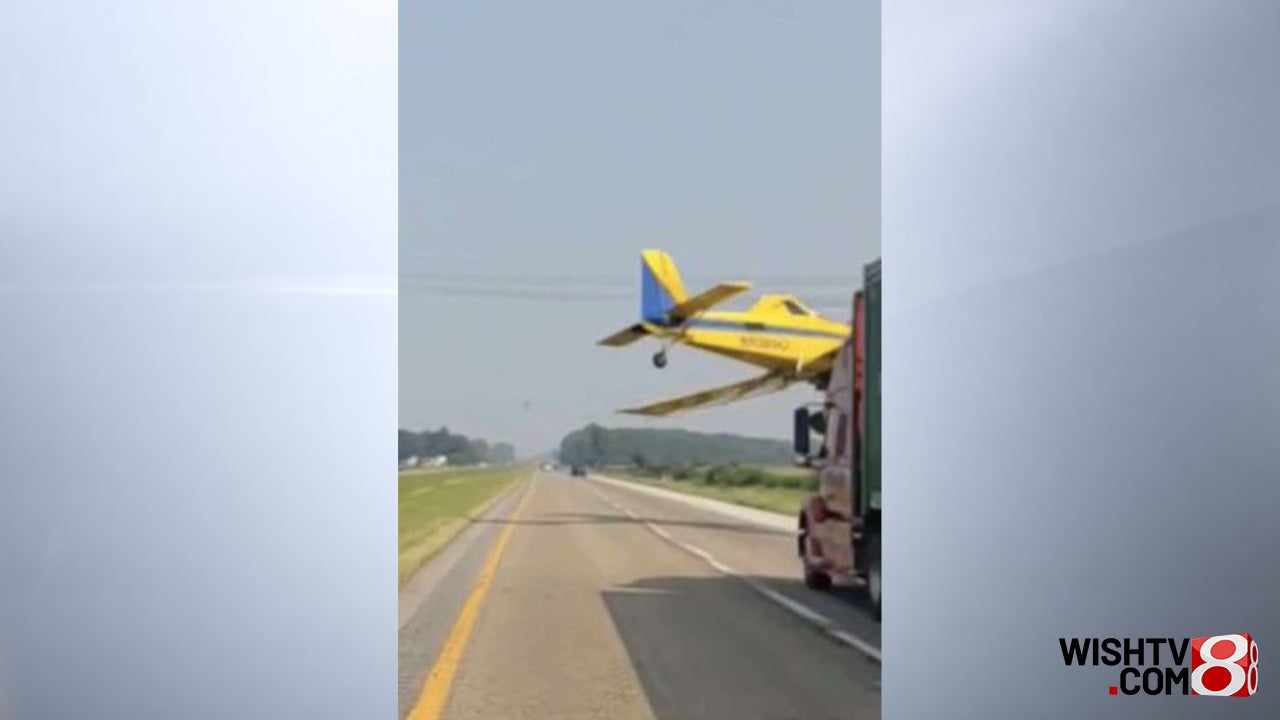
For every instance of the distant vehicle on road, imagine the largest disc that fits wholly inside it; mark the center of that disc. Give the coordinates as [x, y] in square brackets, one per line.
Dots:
[578, 471]
[839, 526]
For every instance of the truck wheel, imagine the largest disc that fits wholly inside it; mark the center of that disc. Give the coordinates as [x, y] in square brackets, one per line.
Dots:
[816, 579]
[873, 573]
[813, 577]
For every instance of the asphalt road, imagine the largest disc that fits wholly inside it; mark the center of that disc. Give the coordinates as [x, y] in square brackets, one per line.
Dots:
[576, 598]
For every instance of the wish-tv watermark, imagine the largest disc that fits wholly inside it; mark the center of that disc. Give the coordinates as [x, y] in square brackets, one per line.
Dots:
[1223, 665]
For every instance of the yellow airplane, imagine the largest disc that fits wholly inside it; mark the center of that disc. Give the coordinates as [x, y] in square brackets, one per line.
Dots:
[779, 333]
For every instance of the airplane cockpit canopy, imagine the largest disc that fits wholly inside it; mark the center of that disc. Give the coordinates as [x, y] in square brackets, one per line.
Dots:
[783, 305]
[794, 307]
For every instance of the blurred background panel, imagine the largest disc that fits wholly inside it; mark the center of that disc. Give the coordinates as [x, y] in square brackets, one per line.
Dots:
[1082, 225]
[197, 359]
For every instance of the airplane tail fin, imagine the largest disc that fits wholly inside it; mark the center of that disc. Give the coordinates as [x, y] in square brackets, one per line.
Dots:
[660, 286]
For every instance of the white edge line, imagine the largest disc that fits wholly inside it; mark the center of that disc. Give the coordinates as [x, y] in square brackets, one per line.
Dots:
[695, 550]
[721, 567]
[856, 643]
[796, 608]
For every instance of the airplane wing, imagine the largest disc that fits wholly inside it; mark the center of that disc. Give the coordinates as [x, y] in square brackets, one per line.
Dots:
[627, 336]
[767, 383]
[708, 298]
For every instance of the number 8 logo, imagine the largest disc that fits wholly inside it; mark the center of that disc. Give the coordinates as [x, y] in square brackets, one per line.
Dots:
[1235, 675]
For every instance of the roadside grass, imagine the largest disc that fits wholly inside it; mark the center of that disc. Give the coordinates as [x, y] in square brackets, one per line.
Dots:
[435, 504]
[779, 489]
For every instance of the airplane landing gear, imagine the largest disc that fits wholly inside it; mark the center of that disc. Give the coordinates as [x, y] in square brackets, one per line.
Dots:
[660, 359]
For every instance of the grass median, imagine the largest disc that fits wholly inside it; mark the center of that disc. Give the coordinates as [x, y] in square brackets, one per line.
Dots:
[436, 504]
[777, 489]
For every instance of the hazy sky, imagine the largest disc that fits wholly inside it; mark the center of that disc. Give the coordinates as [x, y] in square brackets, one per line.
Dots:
[543, 145]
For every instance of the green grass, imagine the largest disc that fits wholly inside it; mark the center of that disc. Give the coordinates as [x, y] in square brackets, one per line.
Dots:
[777, 489]
[436, 503]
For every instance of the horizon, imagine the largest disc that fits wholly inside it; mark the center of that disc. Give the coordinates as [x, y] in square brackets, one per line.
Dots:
[520, 455]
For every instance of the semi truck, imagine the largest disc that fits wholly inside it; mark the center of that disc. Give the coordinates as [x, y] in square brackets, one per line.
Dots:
[838, 536]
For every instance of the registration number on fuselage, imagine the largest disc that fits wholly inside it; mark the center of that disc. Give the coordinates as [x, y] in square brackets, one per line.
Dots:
[763, 343]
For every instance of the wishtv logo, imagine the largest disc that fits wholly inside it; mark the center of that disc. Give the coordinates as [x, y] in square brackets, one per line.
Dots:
[1224, 665]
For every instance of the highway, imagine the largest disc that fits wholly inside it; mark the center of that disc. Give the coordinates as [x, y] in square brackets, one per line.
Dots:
[582, 598]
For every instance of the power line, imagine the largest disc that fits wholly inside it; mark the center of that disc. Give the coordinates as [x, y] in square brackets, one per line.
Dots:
[824, 300]
[514, 293]
[630, 281]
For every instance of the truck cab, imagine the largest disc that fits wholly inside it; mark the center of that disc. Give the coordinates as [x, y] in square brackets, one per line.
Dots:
[838, 527]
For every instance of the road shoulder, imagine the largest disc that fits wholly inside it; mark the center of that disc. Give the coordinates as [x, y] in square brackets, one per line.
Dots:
[434, 596]
[424, 580]
[763, 518]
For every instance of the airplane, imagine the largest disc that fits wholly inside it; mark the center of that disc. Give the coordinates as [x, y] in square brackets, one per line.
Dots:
[778, 333]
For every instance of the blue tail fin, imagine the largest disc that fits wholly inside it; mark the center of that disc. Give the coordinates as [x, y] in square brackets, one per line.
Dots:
[655, 301]
[660, 286]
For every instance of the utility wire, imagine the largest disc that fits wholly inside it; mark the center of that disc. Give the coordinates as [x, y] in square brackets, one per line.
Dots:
[515, 293]
[542, 279]
[823, 300]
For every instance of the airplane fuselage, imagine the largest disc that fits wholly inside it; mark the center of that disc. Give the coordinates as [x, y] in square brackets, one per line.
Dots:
[806, 344]
[778, 333]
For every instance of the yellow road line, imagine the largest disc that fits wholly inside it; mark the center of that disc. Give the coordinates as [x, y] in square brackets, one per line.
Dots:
[435, 689]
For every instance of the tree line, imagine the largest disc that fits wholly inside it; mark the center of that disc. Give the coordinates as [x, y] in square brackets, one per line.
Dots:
[457, 449]
[597, 446]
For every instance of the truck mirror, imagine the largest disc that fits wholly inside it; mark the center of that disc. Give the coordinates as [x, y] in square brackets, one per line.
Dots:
[801, 441]
[818, 422]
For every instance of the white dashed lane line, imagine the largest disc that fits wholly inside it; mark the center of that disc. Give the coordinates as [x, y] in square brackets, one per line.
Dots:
[796, 608]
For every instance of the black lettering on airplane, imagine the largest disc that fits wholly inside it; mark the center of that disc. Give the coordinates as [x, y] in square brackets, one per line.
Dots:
[764, 342]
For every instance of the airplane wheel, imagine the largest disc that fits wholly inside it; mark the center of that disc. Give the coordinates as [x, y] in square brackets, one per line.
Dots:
[660, 360]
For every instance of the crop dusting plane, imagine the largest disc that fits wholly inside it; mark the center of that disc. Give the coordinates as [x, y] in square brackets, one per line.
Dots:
[779, 333]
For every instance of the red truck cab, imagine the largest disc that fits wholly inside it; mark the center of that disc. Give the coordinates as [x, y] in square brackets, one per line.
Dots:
[838, 528]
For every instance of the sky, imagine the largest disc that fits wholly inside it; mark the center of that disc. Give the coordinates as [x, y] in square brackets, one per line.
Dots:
[544, 144]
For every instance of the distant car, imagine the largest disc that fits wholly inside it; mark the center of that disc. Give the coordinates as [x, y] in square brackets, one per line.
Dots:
[578, 471]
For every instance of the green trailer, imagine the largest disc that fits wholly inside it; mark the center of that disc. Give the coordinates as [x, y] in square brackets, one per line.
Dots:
[838, 528]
